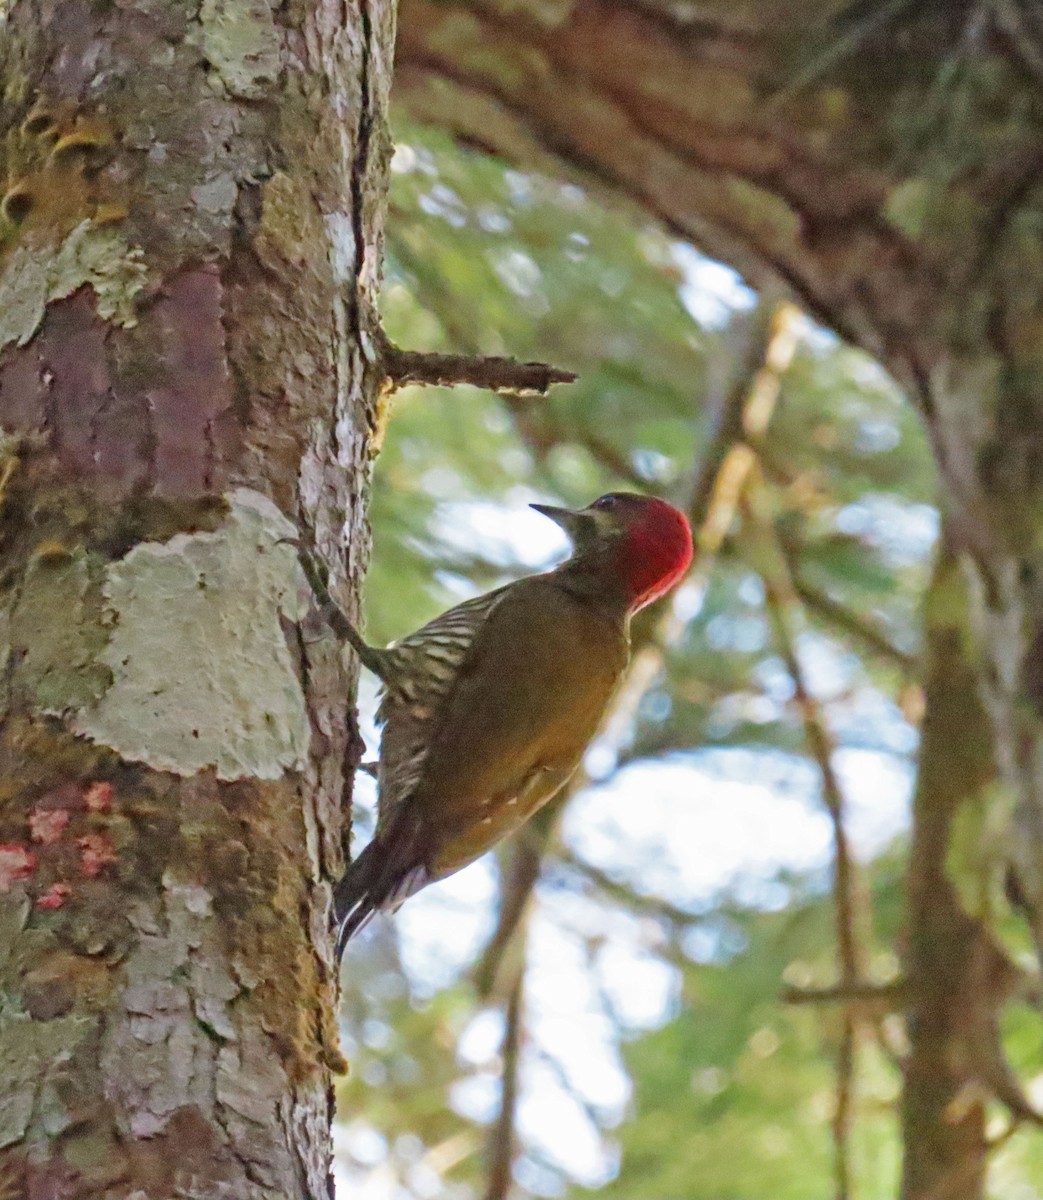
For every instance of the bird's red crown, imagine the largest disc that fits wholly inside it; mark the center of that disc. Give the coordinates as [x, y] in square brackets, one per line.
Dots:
[655, 551]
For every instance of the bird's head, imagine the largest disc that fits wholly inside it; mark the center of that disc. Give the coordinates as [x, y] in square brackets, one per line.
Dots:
[641, 541]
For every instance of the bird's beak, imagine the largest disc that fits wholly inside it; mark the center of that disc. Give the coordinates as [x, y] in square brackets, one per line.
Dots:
[574, 523]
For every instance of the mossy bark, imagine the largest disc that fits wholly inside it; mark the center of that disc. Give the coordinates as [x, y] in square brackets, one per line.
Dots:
[190, 241]
[952, 1001]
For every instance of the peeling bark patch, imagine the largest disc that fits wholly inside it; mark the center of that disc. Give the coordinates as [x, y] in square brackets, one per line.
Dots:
[157, 1061]
[168, 427]
[73, 347]
[186, 411]
[21, 392]
[202, 676]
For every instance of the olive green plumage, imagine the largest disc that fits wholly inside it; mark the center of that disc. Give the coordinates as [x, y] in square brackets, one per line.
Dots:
[488, 709]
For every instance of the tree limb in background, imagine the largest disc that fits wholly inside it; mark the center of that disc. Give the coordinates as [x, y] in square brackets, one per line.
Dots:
[561, 1077]
[1024, 30]
[502, 1136]
[783, 602]
[849, 901]
[847, 621]
[960, 977]
[517, 881]
[653, 906]
[862, 628]
[888, 997]
[606, 455]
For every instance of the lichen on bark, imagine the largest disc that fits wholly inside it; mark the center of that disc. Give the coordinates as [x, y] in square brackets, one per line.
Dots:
[36, 275]
[200, 673]
[241, 43]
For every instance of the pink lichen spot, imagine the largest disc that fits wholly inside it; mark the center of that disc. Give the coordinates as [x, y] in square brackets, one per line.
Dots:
[17, 862]
[96, 853]
[98, 797]
[55, 897]
[46, 824]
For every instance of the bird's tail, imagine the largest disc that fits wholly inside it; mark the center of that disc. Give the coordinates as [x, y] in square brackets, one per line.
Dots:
[386, 873]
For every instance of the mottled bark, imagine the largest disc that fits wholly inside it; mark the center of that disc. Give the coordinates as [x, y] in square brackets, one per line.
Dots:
[885, 163]
[190, 237]
[943, 1111]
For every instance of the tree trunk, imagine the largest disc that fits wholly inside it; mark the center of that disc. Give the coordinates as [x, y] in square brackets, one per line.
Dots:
[885, 163]
[943, 1112]
[190, 237]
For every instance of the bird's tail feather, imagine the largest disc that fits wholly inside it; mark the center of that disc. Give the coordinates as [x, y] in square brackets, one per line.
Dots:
[386, 873]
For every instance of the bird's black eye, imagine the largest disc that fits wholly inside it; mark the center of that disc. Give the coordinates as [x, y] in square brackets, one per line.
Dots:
[606, 503]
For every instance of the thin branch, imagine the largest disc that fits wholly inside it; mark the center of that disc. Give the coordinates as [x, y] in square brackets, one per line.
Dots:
[518, 881]
[737, 417]
[449, 1152]
[850, 29]
[821, 603]
[1012, 21]
[494, 374]
[782, 601]
[556, 1068]
[889, 996]
[654, 906]
[502, 1138]
[606, 455]
[997, 1142]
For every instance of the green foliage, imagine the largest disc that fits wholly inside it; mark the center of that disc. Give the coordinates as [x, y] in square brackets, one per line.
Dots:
[735, 1097]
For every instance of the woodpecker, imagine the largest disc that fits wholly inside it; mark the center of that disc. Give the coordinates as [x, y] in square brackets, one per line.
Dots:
[487, 710]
